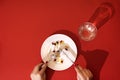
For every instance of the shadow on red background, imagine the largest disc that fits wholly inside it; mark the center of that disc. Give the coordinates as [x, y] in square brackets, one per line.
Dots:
[49, 73]
[102, 14]
[94, 59]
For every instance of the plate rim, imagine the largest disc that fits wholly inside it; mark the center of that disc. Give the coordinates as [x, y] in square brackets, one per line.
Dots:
[53, 35]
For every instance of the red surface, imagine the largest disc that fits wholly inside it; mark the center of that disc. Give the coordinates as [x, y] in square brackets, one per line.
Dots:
[25, 24]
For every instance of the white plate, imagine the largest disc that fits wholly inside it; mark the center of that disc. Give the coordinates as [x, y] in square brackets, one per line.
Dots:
[46, 48]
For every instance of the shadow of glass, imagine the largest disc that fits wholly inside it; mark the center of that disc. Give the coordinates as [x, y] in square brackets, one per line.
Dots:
[102, 14]
[94, 61]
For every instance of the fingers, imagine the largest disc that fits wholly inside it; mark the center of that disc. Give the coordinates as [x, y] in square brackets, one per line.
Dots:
[77, 69]
[80, 75]
[36, 68]
[88, 73]
[43, 68]
[83, 74]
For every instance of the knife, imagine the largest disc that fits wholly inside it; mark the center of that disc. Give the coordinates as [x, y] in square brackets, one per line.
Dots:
[67, 56]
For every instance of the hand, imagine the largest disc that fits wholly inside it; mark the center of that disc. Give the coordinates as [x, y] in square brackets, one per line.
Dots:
[83, 74]
[38, 72]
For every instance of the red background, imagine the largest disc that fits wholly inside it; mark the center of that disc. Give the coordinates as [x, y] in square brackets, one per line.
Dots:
[25, 24]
